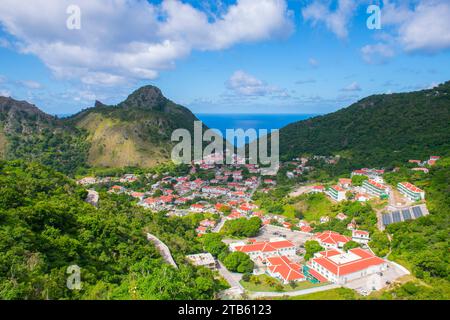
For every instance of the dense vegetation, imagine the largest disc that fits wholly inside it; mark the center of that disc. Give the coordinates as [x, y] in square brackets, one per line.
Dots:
[380, 130]
[242, 228]
[30, 134]
[422, 245]
[45, 227]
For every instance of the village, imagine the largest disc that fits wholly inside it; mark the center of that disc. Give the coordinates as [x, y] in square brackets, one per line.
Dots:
[281, 248]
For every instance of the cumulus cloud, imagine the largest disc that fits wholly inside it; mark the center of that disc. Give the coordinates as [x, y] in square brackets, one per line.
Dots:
[353, 87]
[244, 84]
[30, 84]
[423, 27]
[5, 93]
[134, 39]
[377, 53]
[335, 20]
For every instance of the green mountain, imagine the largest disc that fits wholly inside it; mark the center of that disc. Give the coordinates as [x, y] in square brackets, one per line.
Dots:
[378, 130]
[28, 133]
[136, 132]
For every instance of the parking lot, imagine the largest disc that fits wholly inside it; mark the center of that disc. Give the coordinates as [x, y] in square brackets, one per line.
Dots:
[377, 281]
[267, 232]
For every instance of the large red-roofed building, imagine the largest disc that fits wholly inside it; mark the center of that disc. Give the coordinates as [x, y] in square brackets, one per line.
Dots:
[284, 269]
[266, 249]
[330, 239]
[342, 267]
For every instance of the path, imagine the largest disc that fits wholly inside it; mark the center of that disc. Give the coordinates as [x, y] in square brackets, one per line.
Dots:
[232, 278]
[163, 249]
[255, 295]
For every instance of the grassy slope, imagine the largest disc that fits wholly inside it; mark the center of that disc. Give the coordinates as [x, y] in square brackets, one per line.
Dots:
[314, 207]
[114, 143]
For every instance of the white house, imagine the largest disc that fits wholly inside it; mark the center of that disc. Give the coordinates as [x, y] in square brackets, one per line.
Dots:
[360, 236]
[341, 267]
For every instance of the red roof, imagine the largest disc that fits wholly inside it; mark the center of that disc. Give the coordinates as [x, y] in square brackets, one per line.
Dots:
[330, 253]
[166, 198]
[411, 187]
[376, 184]
[150, 200]
[360, 232]
[306, 229]
[365, 260]
[287, 269]
[337, 188]
[317, 275]
[265, 246]
[137, 194]
[345, 181]
[332, 237]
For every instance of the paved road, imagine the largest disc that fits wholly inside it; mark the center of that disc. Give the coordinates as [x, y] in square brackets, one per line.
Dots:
[232, 278]
[220, 224]
[163, 249]
[256, 295]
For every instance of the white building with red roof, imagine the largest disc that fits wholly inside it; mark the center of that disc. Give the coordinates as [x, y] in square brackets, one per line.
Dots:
[375, 188]
[265, 249]
[197, 207]
[341, 267]
[361, 236]
[411, 191]
[345, 183]
[284, 269]
[330, 239]
[318, 189]
[337, 193]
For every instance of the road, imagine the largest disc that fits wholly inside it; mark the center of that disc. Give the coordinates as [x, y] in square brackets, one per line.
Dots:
[220, 224]
[256, 295]
[163, 249]
[232, 278]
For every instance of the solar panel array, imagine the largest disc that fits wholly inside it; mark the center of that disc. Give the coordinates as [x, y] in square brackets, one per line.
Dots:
[403, 215]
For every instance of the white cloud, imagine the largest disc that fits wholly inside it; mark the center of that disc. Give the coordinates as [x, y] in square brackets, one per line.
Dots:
[244, 84]
[132, 39]
[5, 93]
[336, 21]
[354, 86]
[421, 25]
[377, 53]
[313, 62]
[30, 84]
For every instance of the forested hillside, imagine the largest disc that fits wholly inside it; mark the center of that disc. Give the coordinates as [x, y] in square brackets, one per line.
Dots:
[45, 226]
[423, 245]
[28, 133]
[379, 130]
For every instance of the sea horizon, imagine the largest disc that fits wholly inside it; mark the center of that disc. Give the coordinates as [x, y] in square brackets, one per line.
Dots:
[268, 121]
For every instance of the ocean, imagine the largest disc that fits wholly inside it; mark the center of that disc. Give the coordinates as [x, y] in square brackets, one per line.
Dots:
[222, 122]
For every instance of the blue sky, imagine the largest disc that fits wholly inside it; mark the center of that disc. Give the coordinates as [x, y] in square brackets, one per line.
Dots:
[245, 56]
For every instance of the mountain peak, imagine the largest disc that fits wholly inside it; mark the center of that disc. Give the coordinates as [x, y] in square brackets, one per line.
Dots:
[147, 97]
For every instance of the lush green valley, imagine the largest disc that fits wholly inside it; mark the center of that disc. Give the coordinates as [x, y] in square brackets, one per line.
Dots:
[45, 226]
